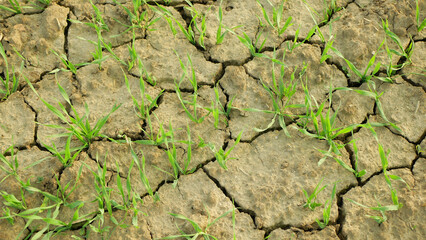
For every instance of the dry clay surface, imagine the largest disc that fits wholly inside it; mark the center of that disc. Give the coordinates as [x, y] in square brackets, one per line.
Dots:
[259, 195]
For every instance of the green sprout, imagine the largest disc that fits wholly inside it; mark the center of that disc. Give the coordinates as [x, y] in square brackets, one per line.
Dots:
[277, 13]
[311, 199]
[327, 209]
[219, 34]
[10, 83]
[77, 125]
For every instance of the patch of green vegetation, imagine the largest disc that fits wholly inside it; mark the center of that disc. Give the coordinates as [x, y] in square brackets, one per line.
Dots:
[199, 231]
[76, 125]
[396, 205]
[193, 103]
[311, 199]
[10, 82]
[277, 13]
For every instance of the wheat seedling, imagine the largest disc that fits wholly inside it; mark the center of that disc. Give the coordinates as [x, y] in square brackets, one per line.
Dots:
[77, 125]
[200, 232]
[281, 93]
[137, 19]
[396, 205]
[311, 199]
[66, 157]
[328, 132]
[401, 52]
[219, 34]
[193, 103]
[365, 76]
[222, 155]
[142, 172]
[327, 209]
[218, 109]
[422, 24]
[10, 84]
[15, 7]
[330, 9]
[147, 103]
[277, 13]
[70, 67]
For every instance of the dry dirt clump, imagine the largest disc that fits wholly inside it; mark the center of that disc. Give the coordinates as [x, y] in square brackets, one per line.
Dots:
[226, 119]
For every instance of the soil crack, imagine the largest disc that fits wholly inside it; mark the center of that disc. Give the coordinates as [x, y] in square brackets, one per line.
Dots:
[251, 213]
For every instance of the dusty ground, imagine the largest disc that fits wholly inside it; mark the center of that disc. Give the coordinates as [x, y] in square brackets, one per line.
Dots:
[268, 169]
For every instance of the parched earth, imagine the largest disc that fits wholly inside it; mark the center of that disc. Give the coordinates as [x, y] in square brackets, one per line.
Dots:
[103, 193]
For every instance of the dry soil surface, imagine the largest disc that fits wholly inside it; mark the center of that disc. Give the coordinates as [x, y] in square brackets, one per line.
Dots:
[259, 195]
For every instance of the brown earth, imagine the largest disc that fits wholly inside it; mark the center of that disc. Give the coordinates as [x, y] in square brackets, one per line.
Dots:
[267, 170]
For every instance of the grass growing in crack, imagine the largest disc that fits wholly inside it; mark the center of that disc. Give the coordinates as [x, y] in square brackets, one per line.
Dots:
[104, 199]
[316, 28]
[247, 41]
[138, 20]
[15, 7]
[50, 201]
[103, 192]
[172, 156]
[10, 84]
[401, 52]
[50, 207]
[193, 26]
[52, 212]
[419, 149]
[97, 19]
[188, 32]
[66, 157]
[9, 166]
[277, 13]
[330, 9]
[64, 191]
[154, 139]
[365, 76]
[327, 131]
[131, 199]
[76, 125]
[142, 172]
[357, 173]
[311, 199]
[219, 34]
[396, 205]
[70, 67]
[281, 92]
[218, 109]
[327, 209]
[422, 24]
[199, 231]
[294, 44]
[135, 60]
[325, 55]
[99, 25]
[147, 103]
[221, 155]
[382, 209]
[376, 96]
[200, 29]
[193, 103]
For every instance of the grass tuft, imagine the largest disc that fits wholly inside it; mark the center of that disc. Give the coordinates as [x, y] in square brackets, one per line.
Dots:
[76, 125]
[311, 199]
[277, 13]
[10, 81]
